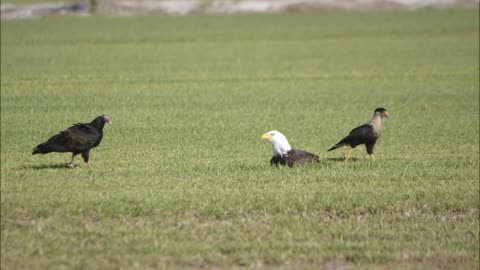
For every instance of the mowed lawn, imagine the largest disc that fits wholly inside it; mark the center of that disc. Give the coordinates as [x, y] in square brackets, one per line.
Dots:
[182, 179]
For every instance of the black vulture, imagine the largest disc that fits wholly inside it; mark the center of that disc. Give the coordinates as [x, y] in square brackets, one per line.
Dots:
[77, 139]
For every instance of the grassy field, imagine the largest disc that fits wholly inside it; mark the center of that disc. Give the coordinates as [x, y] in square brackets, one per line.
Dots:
[182, 179]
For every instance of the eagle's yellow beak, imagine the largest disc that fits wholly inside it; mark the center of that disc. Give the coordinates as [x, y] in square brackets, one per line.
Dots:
[385, 113]
[266, 136]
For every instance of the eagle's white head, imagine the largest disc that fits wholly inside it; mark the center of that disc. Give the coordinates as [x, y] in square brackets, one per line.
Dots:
[279, 142]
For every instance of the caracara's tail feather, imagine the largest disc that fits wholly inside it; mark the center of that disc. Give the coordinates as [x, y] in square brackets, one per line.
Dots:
[335, 147]
[338, 145]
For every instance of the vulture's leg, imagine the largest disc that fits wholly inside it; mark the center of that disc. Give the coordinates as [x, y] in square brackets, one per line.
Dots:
[85, 156]
[70, 164]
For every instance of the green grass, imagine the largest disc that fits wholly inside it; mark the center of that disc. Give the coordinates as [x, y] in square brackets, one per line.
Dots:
[182, 179]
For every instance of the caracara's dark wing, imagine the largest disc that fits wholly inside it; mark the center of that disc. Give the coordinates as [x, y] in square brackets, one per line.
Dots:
[77, 138]
[359, 135]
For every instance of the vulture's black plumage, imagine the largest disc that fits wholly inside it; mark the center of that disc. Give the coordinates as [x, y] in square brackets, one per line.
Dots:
[77, 139]
[283, 153]
[367, 134]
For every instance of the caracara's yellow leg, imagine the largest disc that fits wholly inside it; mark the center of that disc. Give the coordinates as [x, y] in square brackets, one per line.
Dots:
[349, 155]
[373, 159]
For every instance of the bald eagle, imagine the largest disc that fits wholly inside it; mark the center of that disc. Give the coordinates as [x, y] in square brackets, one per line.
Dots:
[283, 153]
[367, 134]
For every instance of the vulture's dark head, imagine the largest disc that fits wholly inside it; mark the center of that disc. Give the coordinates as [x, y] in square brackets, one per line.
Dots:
[381, 111]
[106, 119]
[100, 121]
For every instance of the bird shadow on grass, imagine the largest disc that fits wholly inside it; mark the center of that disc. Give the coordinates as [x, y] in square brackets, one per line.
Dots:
[47, 166]
[342, 159]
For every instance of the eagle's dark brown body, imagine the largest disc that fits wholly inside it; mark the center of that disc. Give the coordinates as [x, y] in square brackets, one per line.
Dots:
[294, 157]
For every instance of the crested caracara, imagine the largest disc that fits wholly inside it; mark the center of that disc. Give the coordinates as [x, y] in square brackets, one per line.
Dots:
[367, 134]
[283, 153]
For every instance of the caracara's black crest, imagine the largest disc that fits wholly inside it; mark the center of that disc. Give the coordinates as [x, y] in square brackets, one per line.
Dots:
[77, 139]
[380, 110]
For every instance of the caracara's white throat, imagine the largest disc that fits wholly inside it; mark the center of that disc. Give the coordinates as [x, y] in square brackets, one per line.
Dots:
[279, 142]
[377, 122]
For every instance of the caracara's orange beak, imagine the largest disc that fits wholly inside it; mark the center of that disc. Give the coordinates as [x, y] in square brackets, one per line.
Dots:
[385, 114]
